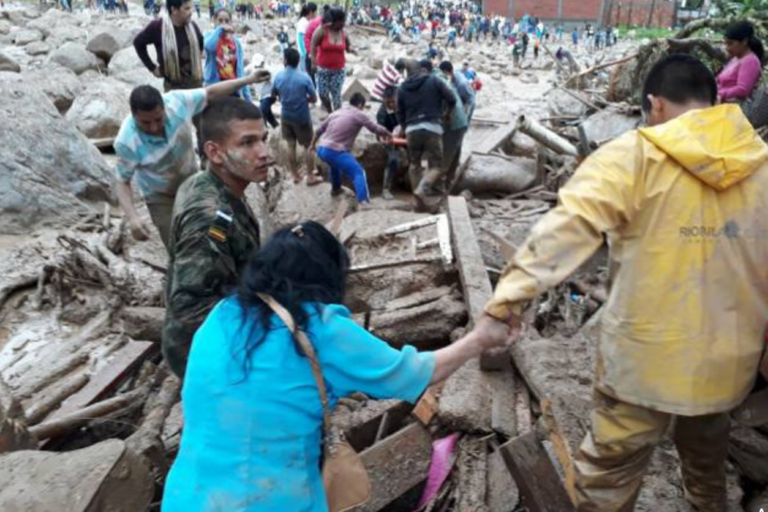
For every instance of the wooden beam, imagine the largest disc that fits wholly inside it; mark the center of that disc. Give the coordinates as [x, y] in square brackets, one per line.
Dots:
[536, 477]
[474, 277]
[396, 465]
[124, 361]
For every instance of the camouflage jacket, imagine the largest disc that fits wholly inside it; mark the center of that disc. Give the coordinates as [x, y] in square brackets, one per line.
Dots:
[212, 236]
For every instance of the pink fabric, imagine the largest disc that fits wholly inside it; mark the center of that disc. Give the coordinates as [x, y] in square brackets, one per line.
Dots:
[439, 468]
[739, 78]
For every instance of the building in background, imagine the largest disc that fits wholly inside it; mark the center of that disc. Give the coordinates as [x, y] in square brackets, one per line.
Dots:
[641, 13]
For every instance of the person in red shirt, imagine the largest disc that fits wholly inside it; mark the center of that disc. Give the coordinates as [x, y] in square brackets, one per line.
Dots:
[312, 26]
[329, 46]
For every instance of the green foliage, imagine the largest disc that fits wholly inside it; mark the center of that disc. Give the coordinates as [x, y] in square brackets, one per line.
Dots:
[638, 33]
[743, 8]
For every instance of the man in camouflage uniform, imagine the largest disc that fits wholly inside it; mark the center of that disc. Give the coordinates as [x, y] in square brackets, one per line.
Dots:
[214, 231]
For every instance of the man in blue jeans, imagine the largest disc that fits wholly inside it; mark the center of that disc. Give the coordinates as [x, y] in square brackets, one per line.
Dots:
[336, 137]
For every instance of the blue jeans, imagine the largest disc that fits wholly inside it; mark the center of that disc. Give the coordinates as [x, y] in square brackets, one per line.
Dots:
[342, 162]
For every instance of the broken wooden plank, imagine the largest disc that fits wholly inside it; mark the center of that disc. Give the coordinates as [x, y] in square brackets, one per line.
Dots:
[396, 465]
[410, 226]
[363, 435]
[426, 407]
[390, 264]
[535, 475]
[496, 138]
[52, 398]
[472, 467]
[123, 362]
[503, 401]
[65, 424]
[502, 494]
[523, 415]
[469, 258]
[474, 277]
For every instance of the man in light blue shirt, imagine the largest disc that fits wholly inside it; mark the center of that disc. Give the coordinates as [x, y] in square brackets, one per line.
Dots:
[155, 145]
[295, 91]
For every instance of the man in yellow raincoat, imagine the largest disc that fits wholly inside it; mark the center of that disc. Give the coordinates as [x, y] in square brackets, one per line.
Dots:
[684, 206]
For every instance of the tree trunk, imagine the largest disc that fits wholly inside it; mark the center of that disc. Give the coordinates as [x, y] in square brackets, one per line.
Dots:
[650, 14]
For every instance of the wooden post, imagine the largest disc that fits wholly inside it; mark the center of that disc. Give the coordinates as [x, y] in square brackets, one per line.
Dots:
[474, 277]
[535, 475]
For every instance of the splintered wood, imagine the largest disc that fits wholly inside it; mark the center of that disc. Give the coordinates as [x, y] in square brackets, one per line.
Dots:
[535, 475]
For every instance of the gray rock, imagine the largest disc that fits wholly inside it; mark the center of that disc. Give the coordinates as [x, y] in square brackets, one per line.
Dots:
[27, 35]
[53, 20]
[5, 27]
[140, 77]
[37, 48]
[107, 42]
[8, 64]
[75, 57]
[48, 168]
[67, 35]
[126, 60]
[60, 84]
[15, 17]
[560, 103]
[100, 109]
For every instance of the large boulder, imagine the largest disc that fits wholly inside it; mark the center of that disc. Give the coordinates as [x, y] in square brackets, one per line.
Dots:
[75, 57]
[139, 77]
[126, 60]
[52, 21]
[100, 109]
[60, 84]
[67, 34]
[8, 64]
[105, 43]
[48, 169]
[26, 35]
[104, 476]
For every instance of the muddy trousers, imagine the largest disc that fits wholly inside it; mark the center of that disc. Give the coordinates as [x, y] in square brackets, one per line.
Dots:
[427, 185]
[161, 211]
[614, 456]
[452, 143]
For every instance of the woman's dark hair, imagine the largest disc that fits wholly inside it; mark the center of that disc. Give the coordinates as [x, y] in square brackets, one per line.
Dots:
[745, 31]
[334, 15]
[298, 265]
[307, 8]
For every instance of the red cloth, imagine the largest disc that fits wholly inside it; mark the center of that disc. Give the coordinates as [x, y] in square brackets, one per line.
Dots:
[226, 58]
[311, 27]
[331, 55]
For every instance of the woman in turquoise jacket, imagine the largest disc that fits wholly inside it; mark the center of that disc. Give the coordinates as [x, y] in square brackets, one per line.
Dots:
[223, 54]
[253, 418]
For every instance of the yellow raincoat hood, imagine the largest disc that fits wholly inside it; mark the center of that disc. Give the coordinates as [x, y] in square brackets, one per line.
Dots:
[717, 145]
[684, 207]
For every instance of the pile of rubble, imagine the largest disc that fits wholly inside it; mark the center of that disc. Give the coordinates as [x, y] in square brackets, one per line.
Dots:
[90, 418]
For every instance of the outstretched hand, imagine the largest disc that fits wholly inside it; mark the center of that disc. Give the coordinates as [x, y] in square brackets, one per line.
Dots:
[259, 76]
[492, 333]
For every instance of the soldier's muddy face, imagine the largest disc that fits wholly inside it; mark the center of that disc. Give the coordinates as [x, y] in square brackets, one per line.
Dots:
[245, 153]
